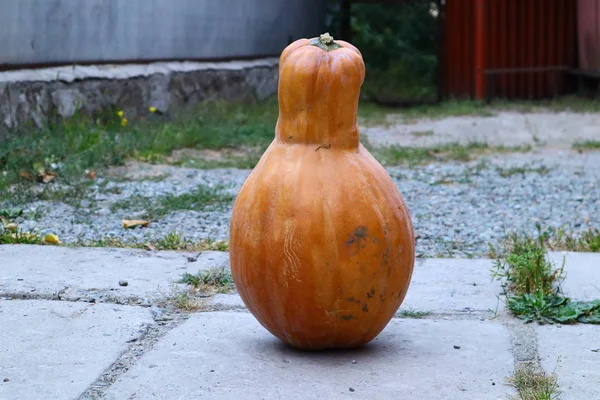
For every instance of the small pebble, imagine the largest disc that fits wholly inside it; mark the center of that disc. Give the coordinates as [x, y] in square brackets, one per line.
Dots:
[5, 380]
[212, 370]
[123, 283]
[353, 361]
[351, 389]
[456, 347]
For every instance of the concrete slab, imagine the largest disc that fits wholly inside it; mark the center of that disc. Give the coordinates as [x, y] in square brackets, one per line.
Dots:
[445, 286]
[582, 274]
[94, 273]
[453, 285]
[55, 350]
[575, 350]
[228, 355]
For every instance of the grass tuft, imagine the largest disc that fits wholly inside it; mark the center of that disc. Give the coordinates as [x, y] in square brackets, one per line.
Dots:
[406, 155]
[171, 241]
[533, 284]
[413, 314]
[586, 145]
[533, 384]
[214, 280]
[203, 198]
[564, 239]
[8, 236]
[508, 172]
[185, 300]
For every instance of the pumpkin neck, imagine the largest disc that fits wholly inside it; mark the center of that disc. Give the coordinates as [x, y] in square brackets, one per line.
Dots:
[318, 93]
[325, 42]
[325, 124]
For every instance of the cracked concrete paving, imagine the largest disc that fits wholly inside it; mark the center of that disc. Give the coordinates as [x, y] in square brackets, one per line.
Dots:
[69, 331]
[93, 274]
[228, 356]
[54, 349]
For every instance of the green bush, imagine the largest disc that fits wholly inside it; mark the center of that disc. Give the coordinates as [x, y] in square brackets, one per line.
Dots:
[399, 46]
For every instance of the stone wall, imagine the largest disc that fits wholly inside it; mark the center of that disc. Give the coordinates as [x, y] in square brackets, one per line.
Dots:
[35, 97]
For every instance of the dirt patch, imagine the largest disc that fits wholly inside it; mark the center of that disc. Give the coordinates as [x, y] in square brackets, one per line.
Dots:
[180, 155]
[171, 165]
[137, 170]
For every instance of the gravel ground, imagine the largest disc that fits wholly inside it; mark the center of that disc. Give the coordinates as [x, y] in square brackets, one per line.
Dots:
[457, 208]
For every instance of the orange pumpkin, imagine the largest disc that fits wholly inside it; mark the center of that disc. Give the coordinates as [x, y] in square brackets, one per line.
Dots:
[322, 245]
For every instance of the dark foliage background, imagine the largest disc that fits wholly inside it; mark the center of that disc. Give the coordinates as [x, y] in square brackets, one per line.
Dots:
[399, 46]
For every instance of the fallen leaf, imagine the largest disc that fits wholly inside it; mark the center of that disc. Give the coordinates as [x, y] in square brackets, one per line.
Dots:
[25, 175]
[51, 238]
[91, 174]
[11, 227]
[45, 176]
[132, 223]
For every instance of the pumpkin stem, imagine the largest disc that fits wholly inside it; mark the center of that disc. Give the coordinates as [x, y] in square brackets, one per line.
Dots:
[325, 42]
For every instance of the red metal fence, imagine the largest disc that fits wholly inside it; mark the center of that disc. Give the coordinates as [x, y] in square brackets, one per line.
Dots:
[588, 21]
[508, 48]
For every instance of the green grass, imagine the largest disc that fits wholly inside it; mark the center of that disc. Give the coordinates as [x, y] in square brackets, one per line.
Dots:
[185, 301]
[171, 241]
[246, 162]
[526, 267]
[11, 233]
[10, 213]
[370, 113]
[176, 241]
[533, 284]
[587, 145]
[216, 279]
[413, 314]
[73, 194]
[508, 172]
[8, 236]
[564, 239]
[202, 198]
[69, 148]
[405, 155]
[422, 133]
[534, 384]
[132, 203]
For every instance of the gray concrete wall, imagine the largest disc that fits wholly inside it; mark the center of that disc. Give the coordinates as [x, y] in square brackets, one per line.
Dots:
[70, 31]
